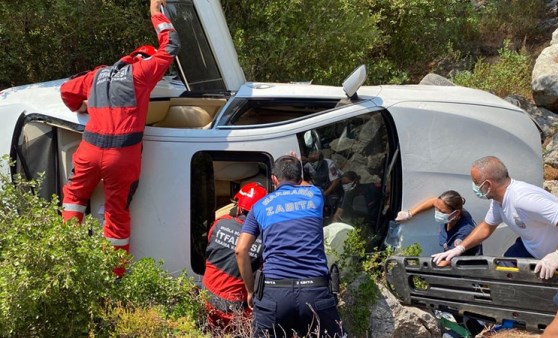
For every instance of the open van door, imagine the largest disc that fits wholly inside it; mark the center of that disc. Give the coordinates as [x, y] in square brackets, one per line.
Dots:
[207, 60]
[11, 115]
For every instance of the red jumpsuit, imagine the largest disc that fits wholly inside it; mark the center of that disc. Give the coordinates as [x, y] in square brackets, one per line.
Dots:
[227, 294]
[118, 99]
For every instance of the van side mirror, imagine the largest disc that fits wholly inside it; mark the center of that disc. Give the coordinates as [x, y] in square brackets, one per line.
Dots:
[353, 82]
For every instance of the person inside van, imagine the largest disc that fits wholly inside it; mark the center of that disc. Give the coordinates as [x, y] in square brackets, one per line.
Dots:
[360, 206]
[456, 223]
[222, 280]
[324, 174]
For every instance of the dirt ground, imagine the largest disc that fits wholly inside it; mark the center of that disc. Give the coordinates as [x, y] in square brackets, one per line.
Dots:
[513, 333]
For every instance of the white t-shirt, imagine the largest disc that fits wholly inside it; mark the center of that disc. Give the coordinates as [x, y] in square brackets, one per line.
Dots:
[333, 172]
[532, 213]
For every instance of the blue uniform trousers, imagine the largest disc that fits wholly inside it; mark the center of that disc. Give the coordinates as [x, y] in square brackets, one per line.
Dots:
[285, 310]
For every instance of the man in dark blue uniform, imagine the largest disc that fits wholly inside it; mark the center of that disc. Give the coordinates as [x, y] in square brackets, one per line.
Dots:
[296, 281]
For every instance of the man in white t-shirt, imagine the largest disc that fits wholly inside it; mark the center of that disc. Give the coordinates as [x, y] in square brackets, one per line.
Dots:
[325, 175]
[530, 211]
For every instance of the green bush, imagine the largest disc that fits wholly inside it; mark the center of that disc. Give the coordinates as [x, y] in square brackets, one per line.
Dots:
[510, 74]
[53, 277]
[416, 32]
[293, 40]
[322, 41]
[152, 303]
[147, 284]
[509, 19]
[57, 281]
[366, 270]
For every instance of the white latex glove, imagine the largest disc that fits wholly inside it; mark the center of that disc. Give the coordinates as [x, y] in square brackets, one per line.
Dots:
[403, 215]
[548, 265]
[448, 255]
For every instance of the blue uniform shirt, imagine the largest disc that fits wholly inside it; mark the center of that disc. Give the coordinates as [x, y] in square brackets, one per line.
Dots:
[290, 221]
[460, 230]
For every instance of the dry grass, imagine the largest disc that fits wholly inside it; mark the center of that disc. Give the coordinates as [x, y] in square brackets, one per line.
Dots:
[240, 326]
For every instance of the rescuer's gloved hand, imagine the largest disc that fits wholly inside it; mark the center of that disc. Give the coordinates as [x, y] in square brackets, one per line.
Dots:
[403, 215]
[548, 265]
[448, 255]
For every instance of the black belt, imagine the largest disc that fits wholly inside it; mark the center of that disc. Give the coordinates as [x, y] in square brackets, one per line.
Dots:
[223, 305]
[300, 283]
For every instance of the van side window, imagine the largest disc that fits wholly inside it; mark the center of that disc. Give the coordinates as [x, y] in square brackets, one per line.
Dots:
[202, 69]
[269, 111]
[216, 178]
[354, 151]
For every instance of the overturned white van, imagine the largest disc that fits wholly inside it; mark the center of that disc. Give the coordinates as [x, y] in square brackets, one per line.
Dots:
[212, 132]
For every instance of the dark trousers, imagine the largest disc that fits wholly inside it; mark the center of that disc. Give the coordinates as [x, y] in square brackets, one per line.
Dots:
[518, 250]
[283, 311]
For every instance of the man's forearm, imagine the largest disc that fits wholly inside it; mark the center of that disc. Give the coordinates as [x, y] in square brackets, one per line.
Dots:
[337, 215]
[242, 252]
[332, 187]
[155, 7]
[478, 235]
[245, 268]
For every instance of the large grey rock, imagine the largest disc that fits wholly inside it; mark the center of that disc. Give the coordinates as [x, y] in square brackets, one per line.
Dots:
[550, 155]
[547, 120]
[554, 34]
[546, 27]
[335, 235]
[435, 80]
[545, 78]
[552, 8]
[389, 319]
[551, 186]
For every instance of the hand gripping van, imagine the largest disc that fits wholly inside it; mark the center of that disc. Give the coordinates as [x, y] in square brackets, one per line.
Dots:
[209, 132]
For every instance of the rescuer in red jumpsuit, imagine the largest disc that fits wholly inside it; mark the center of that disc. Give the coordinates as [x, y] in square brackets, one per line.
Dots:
[116, 98]
[222, 280]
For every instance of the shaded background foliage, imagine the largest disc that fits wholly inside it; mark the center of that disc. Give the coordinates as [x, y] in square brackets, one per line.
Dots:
[49, 39]
[276, 40]
[321, 40]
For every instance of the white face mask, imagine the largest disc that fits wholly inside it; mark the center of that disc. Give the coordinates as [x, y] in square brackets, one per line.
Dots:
[349, 186]
[440, 217]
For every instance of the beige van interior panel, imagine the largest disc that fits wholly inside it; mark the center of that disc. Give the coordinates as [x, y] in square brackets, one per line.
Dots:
[157, 111]
[185, 117]
[184, 112]
[226, 172]
[210, 105]
[234, 171]
[68, 142]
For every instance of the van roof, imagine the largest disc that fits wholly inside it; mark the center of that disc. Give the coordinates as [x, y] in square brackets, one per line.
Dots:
[385, 95]
[45, 97]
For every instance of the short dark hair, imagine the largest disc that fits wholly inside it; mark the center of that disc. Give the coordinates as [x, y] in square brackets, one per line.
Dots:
[287, 168]
[351, 175]
[452, 200]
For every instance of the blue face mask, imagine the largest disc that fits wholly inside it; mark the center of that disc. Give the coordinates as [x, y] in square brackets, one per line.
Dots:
[440, 217]
[478, 192]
